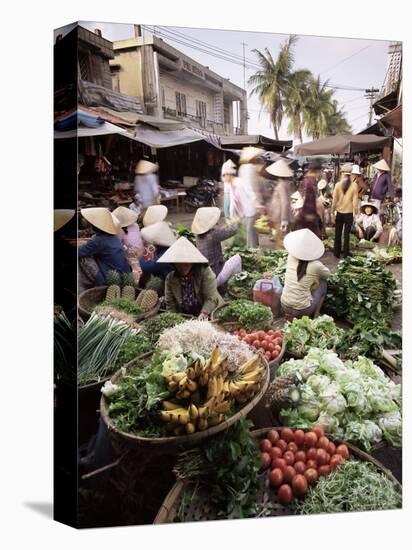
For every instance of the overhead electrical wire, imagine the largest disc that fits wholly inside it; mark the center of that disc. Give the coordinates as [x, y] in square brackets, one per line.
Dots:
[346, 59]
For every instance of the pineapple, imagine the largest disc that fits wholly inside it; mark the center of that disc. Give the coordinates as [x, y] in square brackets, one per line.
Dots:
[147, 299]
[155, 283]
[128, 290]
[113, 289]
[283, 392]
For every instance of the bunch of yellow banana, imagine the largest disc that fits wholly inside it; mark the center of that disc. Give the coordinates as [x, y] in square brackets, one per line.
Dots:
[246, 381]
[262, 224]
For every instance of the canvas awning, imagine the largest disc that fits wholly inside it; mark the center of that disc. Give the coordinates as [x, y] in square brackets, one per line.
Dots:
[394, 120]
[105, 128]
[236, 142]
[161, 139]
[342, 144]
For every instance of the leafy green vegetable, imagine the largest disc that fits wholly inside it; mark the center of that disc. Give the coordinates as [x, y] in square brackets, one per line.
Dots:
[303, 333]
[184, 231]
[353, 487]
[226, 467]
[251, 315]
[153, 327]
[134, 346]
[129, 306]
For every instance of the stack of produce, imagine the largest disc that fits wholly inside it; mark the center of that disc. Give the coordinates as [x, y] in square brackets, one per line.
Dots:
[262, 224]
[155, 283]
[135, 345]
[147, 299]
[353, 487]
[204, 337]
[387, 254]
[304, 333]
[183, 392]
[120, 285]
[269, 342]
[361, 289]
[154, 327]
[296, 460]
[353, 400]
[250, 315]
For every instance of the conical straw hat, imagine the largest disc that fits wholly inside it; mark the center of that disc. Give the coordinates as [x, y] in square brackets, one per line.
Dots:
[102, 219]
[382, 165]
[155, 214]
[304, 245]
[346, 169]
[229, 167]
[205, 218]
[322, 184]
[365, 204]
[183, 252]
[125, 216]
[158, 234]
[146, 167]
[356, 170]
[61, 217]
[249, 153]
[280, 169]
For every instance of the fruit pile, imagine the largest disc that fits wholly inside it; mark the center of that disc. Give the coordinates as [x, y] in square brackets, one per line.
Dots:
[269, 343]
[122, 287]
[204, 393]
[296, 459]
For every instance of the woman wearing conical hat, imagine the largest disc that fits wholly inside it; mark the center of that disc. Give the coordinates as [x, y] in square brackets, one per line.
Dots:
[382, 183]
[146, 183]
[157, 238]
[368, 224]
[104, 248]
[305, 278]
[228, 173]
[280, 207]
[131, 239]
[191, 288]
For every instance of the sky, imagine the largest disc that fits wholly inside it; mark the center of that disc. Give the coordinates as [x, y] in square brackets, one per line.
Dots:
[344, 62]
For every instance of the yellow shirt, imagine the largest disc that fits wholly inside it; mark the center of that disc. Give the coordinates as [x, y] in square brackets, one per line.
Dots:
[297, 294]
[345, 203]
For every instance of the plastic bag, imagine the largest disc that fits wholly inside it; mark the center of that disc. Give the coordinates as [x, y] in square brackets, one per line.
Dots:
[268, 291]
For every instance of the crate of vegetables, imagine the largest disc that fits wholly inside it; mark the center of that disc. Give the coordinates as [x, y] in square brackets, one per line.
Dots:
[276, 472]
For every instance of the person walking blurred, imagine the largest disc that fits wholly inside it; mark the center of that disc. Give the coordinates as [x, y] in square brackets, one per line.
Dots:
[146, 183]
[344, 207]
[382, 183]
[309, 217]
[280, 206]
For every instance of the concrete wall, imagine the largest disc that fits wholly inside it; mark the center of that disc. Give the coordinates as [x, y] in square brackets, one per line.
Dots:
[171, 85]
[129, 72]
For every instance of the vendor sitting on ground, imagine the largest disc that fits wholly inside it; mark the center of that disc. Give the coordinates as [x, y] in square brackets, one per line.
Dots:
[368, 224]
[158, 237]
[305, 279]
[104, 252]
[130, 232]
[191, 288]
[155, 214]
[209, 239]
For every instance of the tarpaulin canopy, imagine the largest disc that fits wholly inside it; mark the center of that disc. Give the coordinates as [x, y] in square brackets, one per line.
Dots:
[342, 144]
[104, 129]
[265, 142]
[161, 139]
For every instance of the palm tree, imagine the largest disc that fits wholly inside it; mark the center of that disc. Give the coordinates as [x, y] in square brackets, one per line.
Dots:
[295, 100]
[271, 81]
[336, 121]
[318, 107]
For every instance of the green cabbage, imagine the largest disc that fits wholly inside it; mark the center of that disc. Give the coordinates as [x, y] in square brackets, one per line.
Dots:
[391, 426]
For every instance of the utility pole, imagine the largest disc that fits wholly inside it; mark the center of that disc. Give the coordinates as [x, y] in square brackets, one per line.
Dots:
[370, 94]
[244, 81]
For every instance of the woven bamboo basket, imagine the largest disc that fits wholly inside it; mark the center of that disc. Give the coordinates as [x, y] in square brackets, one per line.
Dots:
[123, 440]
[199, 509]
[94, 296]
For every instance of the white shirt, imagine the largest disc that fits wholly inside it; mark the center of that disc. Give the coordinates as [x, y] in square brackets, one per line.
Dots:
[364, 221]
[241, 191]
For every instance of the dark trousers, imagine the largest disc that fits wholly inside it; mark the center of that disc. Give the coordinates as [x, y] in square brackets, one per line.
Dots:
[369, 232]
[343, 223]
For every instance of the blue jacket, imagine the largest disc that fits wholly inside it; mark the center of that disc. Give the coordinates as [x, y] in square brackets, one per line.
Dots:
[107, 251]
[151, 266]
[382, 186]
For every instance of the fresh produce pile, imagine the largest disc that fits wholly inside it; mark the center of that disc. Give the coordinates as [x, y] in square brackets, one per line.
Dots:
[353, 400]
[184, 392]
[204, 337]
[123, 304]
[269, 343]
[250, 315]
[98, 345]
[304, 333]
[64, 338]
[353, 487]
[135, 345]
[296, 460]
[184, 231]
[361, 289]
[155, 326]
[241, 285]
[224, 472]
[387, 254]
[262, 224]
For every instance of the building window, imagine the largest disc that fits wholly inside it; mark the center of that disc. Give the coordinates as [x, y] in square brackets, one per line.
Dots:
[84, 65]
[180, 104]
[201, 114]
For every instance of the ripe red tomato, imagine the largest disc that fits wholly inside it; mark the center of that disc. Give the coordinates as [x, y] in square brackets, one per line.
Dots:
[277, 341]
[279, 463]
[271, 332]
[236, 333]
[265, 445]
[275, 452]
[285, 494]
[310, 439]
[311, 453]
[299, 485]
[293, 447]
[300, 467]
[323, 443]
[300, 456]
[261, 334]
[324, 470]
[289, 458]
[288, 474]
[263, 345]
[331, 448]
[266, 460]
[256, 344]
[273, 436]
[282, 445]
[274, 354]
[299, 437]
[287, 434]
[246, 340]
[277, 348]
[327, 457]
[242, 332]
[311, 464]
[271, 347]
[276, 477]
[343, 451]
[335, 461]
[319, 431]
[311, 475]
[277, 333]
[321, 457]
[268, 356]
